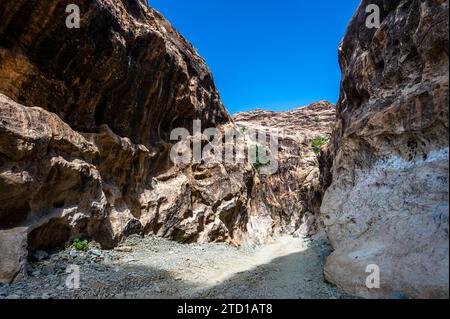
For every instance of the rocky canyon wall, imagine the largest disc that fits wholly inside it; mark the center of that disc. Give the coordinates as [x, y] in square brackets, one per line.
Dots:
[388, 163]
[290, 198]
[86, 116]
[85, 122]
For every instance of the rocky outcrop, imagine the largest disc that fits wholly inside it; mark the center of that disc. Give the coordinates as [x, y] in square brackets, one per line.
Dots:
[13, 248]
[388, 158]
[126, 67]
[85, 122]
[289, 200]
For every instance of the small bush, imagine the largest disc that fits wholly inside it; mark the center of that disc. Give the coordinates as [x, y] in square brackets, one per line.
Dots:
[318, 142]
[317, 119]
[259, 161]
[81, 245]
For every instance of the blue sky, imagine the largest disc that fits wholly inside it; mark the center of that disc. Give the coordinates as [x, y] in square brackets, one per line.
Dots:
[268, 54]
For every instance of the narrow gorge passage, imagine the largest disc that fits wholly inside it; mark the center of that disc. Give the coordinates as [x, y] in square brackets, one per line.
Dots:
[124, 173]
[151, 267]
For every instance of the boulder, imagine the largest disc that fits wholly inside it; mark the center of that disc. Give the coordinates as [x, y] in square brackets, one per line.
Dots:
[13, 249]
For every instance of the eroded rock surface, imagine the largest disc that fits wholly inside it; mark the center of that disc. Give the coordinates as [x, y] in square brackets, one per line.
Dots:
[289, 199]
[85, 122]
[13, 248]
[388, 160]
[126, 67]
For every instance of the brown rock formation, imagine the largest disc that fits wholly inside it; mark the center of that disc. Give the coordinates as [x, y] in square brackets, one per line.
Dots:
[388, 160]
[85, 122]
[289, 199]
[125, 66]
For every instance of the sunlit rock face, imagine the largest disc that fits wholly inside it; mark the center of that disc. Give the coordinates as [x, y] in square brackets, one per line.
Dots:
[289, 199]
[388, 159]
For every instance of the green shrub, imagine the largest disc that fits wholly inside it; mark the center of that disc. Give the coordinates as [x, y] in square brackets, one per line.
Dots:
[259, 161]
[317, 119]
[318, 142]
[80, 244]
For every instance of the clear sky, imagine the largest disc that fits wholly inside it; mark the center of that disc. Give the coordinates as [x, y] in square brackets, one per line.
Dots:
[268, 54]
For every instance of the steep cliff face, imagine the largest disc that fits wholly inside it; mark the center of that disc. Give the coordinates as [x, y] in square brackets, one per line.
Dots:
[85, 122]
[125, 66]
[388, 159]
[289, 200]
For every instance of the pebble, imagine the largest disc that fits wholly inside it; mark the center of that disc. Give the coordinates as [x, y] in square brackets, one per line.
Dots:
[46, 295]
[47, 270]
[156, 289]
[124, 249]
[96, 252]
[120, 296]
[40, 255]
